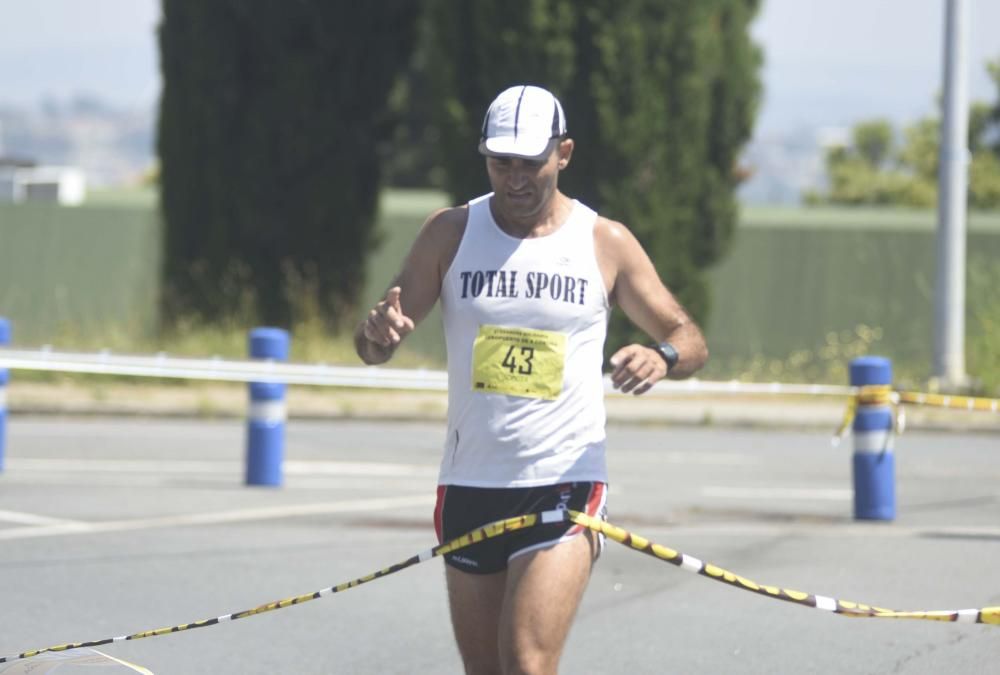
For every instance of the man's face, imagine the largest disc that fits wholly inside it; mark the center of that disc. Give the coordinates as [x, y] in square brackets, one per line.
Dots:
[523, 187]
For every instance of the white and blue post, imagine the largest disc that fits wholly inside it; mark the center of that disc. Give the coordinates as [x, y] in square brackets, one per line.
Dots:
[266, 421]
[4, 377]
[874, 461]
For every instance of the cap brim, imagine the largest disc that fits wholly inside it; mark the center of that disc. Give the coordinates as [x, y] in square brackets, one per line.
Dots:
[508, 146]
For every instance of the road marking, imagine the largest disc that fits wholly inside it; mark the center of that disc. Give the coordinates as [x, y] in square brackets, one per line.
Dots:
[376, 484]
[291, 467]
[691, 458]
[313, 468]
[217, 517]
[21, 518]
[45, 464]
[806, 494]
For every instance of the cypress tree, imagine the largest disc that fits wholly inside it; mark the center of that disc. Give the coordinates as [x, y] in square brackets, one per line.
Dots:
[269, 122]
[477, 49]
[660, 96]
[672, 91]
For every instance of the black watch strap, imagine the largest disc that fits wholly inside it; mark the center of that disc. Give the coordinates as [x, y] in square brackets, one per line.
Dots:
[668, 352]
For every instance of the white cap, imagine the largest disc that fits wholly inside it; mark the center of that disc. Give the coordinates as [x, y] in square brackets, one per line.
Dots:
[522, 121]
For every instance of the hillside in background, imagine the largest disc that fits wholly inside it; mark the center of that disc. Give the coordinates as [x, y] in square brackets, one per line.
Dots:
[114, 146]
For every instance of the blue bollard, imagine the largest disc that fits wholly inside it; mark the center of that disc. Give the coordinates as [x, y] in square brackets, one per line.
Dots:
[266, 421]
[874, 461]
[4, 377]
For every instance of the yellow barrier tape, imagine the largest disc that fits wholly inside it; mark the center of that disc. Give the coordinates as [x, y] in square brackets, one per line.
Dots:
[948, 401]
[985, 615]
[486, 532]
[871, 395]
[883, 395]
[875, 394]
[845, 423]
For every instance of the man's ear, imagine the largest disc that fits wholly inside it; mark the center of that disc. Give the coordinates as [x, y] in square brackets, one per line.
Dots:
[565, 150]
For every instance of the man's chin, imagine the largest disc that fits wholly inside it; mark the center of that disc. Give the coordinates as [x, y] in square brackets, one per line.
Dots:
[521, 205]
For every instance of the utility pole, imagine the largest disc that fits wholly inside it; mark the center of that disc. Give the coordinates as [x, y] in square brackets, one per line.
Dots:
[953, 163]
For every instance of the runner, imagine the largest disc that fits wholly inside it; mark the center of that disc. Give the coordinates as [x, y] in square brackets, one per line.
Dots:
[526, 277]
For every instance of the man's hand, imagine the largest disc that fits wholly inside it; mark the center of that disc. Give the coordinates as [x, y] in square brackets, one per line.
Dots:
[636, 369]
[386, 325]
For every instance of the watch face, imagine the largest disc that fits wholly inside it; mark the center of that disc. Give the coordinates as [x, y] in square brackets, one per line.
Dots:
[669, 353]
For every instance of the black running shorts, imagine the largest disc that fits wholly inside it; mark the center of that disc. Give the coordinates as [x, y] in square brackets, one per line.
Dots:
[460, 509]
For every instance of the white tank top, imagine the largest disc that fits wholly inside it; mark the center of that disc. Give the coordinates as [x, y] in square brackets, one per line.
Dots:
[525, 322]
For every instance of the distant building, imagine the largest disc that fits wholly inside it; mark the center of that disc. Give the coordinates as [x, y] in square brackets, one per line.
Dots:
[21, 180]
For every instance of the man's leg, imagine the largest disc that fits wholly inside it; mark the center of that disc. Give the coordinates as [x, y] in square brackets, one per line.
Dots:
[544, 589]
[476, 601]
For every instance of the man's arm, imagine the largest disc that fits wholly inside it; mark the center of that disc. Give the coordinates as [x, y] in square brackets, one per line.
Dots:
[636, 287]
[414, 290]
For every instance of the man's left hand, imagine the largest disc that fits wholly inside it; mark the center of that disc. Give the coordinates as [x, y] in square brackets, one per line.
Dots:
[636, 369]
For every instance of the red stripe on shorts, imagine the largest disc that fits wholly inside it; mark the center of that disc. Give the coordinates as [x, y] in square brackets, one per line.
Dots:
[438, 508]
[594, 503]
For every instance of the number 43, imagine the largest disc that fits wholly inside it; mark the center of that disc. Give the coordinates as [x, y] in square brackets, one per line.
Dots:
[510, 361]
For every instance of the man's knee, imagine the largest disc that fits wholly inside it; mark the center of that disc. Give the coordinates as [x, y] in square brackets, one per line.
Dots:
[530, 662]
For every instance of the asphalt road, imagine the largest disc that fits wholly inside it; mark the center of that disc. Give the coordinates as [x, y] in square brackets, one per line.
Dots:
[111, 526]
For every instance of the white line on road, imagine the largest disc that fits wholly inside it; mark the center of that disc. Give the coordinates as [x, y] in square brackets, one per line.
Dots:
[46, 464]
[218, 517]
[231, 481]
[692, 458]
[291, 467]
[806, 494]
[21, 518]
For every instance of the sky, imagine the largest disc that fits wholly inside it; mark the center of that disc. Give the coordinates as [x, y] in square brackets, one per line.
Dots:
[835, 62]
[60, 48]
[827, 62]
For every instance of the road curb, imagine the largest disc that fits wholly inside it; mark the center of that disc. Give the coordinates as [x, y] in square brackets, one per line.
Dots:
[229, 400]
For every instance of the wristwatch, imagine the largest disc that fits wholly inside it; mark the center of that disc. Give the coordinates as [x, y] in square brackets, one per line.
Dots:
[668, 352]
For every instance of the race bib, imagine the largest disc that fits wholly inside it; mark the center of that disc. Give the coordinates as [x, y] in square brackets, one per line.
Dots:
[518, 362]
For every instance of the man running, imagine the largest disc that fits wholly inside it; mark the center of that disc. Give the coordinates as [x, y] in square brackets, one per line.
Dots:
[526, 277]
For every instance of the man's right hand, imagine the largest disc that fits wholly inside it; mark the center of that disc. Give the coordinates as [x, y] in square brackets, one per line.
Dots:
[386, 325]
